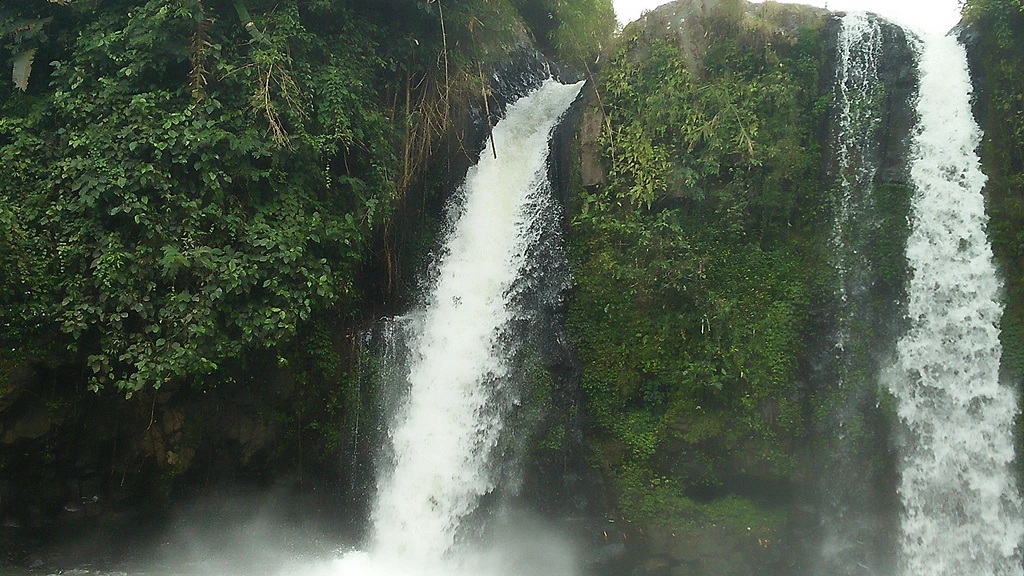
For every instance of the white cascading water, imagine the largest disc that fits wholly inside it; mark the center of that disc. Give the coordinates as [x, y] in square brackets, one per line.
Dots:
[859, 51]
[847, 510]
[962, 510]
[443, 434]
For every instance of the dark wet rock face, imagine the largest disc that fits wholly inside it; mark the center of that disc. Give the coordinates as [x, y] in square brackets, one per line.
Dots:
[868, 161]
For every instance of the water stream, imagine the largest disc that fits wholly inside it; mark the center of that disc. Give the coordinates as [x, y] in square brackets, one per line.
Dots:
[855, 539]
[442, 437]
[962, 510]
[859, 49]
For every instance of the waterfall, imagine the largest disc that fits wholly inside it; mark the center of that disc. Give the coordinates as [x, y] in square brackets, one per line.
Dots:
[859, 49]
[962, 511]
[443, 433]
[861, 332]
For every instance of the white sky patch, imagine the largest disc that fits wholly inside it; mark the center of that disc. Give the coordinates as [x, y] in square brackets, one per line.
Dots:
[933, 16]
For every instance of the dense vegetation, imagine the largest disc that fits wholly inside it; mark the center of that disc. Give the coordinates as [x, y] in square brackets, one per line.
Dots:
[698, 264]
[207, 198]
[202, 201]
[187, 191]
[189, 180]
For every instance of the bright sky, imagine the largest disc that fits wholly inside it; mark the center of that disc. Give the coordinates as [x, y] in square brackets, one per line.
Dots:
[924, 15]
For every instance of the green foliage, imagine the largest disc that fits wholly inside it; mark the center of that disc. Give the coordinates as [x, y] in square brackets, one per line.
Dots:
[574, 31]
[699, 262]
[663, 501]
[165, 230]
[584, 28]
[710, 141]
[190, 181]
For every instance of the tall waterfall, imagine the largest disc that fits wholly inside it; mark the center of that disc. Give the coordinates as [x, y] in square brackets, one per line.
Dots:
[859, 49]
[962, 511]
[862, 332]
[443, 434]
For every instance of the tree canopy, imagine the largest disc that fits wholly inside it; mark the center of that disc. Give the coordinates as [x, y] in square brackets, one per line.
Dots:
[189, 180]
